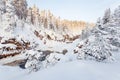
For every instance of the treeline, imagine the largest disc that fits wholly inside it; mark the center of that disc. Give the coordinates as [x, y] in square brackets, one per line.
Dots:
[40, 18]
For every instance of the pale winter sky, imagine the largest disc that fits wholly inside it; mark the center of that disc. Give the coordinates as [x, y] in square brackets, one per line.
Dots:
[87, 10]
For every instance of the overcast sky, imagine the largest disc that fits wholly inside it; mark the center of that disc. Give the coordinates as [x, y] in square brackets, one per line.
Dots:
[87, 10]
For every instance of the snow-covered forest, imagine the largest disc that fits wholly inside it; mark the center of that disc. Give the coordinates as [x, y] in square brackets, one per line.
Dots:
[35, 44]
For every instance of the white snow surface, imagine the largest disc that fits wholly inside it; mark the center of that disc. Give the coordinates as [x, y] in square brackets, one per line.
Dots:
[72, 70]
[75, 70]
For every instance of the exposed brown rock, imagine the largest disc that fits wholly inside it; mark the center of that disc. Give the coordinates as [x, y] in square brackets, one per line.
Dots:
[2, 56]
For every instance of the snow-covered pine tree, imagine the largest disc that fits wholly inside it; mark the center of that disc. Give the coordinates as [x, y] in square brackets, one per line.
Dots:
[99, 24]
[37, 17]
[29, 16]
[96, 48]
[21, 8]
[2, 9]
[104, 38]
[107, 16]
[9, 17]
[34, 61]
[85, 33]
[116, 15]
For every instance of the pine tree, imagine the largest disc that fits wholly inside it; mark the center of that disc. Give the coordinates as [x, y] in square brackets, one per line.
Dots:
[35, 61]
[95, 47]
[103, 40]
[9, 17]
[107, 16]
[85, 33]
[117, 15]
[21, 8]
[99, 24]
[29, 16]
[2, 9]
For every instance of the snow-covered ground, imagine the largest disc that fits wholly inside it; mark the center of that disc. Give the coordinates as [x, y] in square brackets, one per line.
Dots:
[75, 70]
[72, 70]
